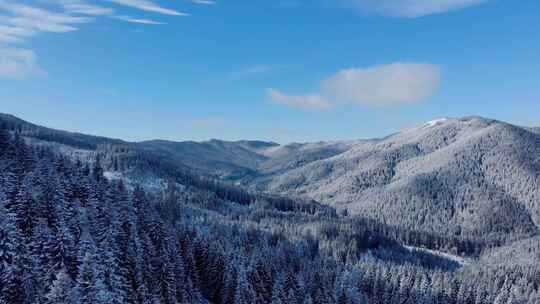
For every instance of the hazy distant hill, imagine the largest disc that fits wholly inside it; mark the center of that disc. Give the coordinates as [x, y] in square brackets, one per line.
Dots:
[215, 157]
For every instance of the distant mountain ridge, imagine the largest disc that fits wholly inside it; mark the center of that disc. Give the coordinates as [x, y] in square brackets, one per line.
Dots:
[468, 176]
[73, 139]
[215, 157]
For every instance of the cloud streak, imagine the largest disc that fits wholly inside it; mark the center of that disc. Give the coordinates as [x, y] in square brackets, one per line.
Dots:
[412, 8]
[83, 8]
[18, 64]
[251, 70]
[33, 19]
[149, 6]
[309, 101]
[205, 2]
[138, 20]
[382, 85]
[11, 34]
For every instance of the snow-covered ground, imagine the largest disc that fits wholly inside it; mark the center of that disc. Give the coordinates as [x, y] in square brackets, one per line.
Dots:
[458, 259]
[435, 122]
[113, 175]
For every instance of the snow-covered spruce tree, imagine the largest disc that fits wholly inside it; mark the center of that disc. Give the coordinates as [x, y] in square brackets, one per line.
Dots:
[11, 274]
[85, 285]
[61, 291]
[244, 293]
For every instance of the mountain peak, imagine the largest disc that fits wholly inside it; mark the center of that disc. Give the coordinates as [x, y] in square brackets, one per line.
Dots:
[435, 122]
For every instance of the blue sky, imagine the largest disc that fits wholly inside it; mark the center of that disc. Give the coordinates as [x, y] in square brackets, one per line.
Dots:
[296, 70]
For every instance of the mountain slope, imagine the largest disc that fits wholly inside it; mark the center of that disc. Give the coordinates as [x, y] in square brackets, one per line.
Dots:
[517, 261]
[287, 157]
[470, 176]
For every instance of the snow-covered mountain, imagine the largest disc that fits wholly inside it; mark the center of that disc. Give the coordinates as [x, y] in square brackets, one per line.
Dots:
[467, 176]
[470, 175]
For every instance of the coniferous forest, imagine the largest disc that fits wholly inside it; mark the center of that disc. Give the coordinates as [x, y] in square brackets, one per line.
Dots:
[69, 233]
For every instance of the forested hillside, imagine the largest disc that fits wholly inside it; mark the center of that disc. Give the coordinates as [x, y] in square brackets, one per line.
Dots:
[470, 176]
[80, 228]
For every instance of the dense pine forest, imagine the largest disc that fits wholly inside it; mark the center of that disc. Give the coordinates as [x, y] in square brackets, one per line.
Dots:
[69, 234]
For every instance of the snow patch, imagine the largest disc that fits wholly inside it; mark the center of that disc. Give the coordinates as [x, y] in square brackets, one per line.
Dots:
[424, 126]
[113, 175]
[434, 122]
[455, 258]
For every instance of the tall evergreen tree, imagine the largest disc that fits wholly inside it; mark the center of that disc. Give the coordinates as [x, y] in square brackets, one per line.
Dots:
[10, 259]
[61, 291]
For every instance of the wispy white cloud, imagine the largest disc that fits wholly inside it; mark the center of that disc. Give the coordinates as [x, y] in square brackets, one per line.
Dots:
[18, 63]
[30, 18]
[82, 8]
[206, 2]
[251, 70]
[257, 69]
[412, 8]
[11, 34]
[138, 20]
[382, 85]
[310, 101]
[5, 38]
[149, 6]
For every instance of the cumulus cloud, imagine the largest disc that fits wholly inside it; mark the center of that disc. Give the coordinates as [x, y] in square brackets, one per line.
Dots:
[412, 8]
[311, 101]
[397, 83]
[18, 64]
[382, 85]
